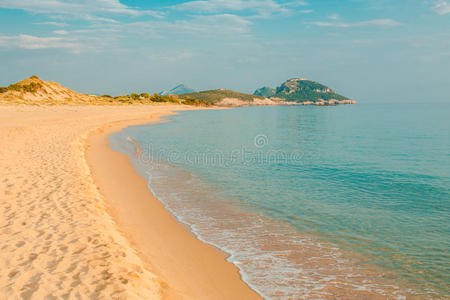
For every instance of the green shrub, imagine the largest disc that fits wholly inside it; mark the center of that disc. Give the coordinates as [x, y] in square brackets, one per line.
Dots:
[188, 100]
[26, 88]
[157, 98]
[134, 96]
[172, 99]
[3, 89]
[15, 87]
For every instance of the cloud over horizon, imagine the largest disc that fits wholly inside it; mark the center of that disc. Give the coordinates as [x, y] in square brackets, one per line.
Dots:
[30, 42]
[377, 22]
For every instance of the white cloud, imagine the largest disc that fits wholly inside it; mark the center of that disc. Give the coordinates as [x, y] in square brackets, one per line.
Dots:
[56, 24]
[263, 8]
[225, 23]
[84, 17]
[30, 42]
[377, 22]
[62, 32]
[81, 9]
[442, 7]
[334, 17]
[203, 25]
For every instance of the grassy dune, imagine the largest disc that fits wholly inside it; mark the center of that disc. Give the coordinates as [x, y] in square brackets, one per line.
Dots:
[34, 91]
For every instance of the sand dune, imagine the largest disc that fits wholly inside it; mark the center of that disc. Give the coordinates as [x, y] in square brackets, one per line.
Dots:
[56, 238]
[36, 91]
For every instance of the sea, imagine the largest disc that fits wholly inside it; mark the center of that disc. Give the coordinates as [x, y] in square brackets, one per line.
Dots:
[309, 202]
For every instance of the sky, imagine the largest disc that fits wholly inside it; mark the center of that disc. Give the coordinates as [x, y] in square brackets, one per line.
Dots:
[368, 50]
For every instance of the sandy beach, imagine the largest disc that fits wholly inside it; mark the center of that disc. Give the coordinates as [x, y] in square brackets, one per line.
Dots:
[77, 228]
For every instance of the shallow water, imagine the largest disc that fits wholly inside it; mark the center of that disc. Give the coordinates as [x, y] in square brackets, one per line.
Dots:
[311, 201]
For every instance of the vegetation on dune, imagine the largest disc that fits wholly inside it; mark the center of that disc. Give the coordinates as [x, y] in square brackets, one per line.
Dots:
[214, 96]
[145, 98]
[134, 96]
[31, 87]
[159, 98]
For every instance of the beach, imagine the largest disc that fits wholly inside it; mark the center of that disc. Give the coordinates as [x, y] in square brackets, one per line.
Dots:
[72, 227]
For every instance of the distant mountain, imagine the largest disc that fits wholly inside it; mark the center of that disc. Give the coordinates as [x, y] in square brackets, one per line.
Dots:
[178, 90]
[301, 90]
[265, 92]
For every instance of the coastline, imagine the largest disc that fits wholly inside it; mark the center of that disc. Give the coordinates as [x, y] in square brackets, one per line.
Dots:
[188, 267]
[262, 264]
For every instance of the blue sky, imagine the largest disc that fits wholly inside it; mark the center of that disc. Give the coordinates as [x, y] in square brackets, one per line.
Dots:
[369, 50]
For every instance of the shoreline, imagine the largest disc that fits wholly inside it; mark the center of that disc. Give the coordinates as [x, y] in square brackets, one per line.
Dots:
[188, 267]
[352, 260]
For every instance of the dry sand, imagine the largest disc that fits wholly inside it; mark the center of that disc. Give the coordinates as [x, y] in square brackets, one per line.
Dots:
[67, 234]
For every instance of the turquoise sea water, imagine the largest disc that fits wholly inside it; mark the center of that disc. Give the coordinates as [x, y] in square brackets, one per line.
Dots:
[310, 201]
